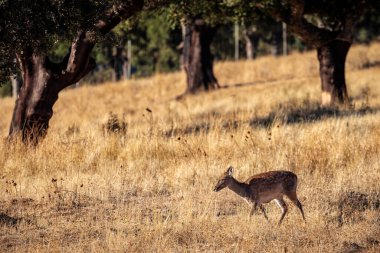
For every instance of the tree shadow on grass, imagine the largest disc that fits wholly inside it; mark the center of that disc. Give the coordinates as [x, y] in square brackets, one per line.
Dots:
[258, 82]
[238, 85]
[368, 65]
[203, 127]
[283, 115]
[307, 115]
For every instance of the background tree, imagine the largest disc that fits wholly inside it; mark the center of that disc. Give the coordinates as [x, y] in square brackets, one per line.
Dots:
[197, 57]
[40, 24]
[368, 28]
[326, 25]
[257, 28]
[200, 20]
[53, 47]
[155, 41]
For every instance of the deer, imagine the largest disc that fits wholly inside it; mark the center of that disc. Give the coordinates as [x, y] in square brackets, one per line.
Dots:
[263, 188]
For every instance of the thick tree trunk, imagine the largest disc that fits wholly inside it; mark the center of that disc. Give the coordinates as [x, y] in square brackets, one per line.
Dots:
[43, 80]
[197, 57]
[332, 45]
[34, 106]
[332, 58]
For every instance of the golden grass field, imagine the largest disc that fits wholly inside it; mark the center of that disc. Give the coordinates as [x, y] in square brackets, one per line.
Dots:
[148, 188]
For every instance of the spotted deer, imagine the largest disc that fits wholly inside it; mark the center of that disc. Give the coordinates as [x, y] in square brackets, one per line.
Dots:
[263, 188]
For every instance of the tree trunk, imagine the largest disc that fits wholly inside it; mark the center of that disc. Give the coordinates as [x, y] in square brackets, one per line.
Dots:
[251, 42]
[42, 81]
[119, 64]
[248, 48]
[276, 44]
[332, 58]
[34, 106]
[284, 39]
[197, 57]
[16, 85]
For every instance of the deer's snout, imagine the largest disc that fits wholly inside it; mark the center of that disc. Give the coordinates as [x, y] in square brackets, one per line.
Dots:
[217, 188]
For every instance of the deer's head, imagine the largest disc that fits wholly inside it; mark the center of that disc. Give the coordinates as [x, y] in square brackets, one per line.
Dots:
[224, 180]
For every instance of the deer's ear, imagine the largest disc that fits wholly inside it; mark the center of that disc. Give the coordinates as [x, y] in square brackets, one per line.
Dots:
[230, 170]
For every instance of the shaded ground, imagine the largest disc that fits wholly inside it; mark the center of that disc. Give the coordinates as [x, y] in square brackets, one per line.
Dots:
[308, 115]
[39, 225]
[284, 115]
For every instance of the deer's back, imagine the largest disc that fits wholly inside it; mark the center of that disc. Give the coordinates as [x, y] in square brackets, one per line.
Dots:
[279, 180]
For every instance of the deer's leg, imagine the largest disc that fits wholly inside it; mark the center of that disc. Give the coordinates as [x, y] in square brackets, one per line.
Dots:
[263, 210]
[293, 197]
[254, 208]
[281, 203]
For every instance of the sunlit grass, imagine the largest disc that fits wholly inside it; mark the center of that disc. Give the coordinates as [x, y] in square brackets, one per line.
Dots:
[150, 188]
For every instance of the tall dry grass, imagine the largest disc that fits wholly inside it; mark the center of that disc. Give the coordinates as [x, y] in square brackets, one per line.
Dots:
[149, 186]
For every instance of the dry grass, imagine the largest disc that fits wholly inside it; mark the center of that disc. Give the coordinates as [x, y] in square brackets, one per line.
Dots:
[148, 186]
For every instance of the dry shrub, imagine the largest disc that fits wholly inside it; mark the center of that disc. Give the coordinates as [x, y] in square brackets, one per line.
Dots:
[352, 204]
[115, 125]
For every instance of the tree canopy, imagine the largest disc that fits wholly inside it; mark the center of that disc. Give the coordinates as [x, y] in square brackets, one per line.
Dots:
[316, 22]
[48, 24]
[41, 24]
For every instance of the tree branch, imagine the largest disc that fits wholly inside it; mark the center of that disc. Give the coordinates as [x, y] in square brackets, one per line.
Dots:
[294, 17]
[117, 14]
[310, 34]
[78, 59]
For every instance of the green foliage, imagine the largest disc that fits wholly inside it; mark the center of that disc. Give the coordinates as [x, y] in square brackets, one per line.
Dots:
[154, 42]
[368, 28]
[154, 46]
[59, 50]
[162, 41]
[213, 12]
[48, 26]
[41, 24]
[5, 89]
[330, 14]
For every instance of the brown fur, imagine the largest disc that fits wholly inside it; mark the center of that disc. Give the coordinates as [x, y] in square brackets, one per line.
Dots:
[263, 188]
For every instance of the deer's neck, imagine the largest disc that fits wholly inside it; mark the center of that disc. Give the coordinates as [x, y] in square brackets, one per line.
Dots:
[239, 188]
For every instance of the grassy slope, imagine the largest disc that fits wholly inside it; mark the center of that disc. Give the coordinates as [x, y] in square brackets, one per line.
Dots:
[151, 188]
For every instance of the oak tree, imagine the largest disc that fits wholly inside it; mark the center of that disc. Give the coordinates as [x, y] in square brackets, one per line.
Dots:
[28, 31]
[200, 20]
[327, 25]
